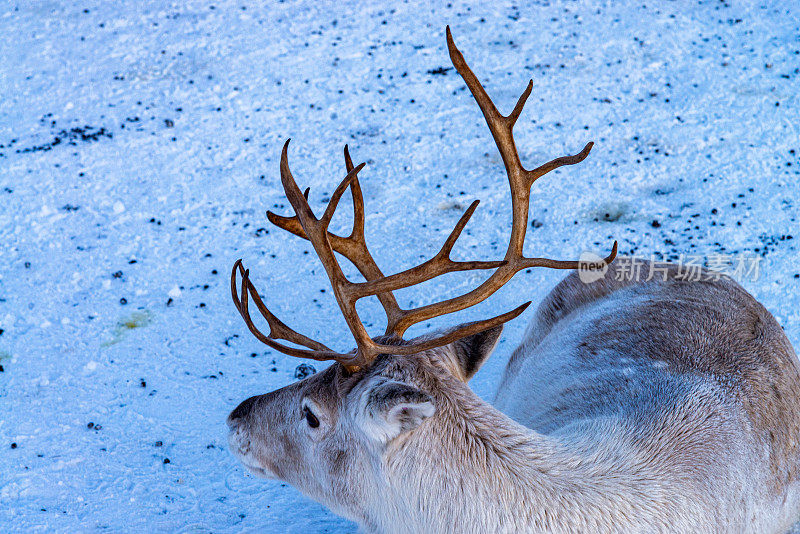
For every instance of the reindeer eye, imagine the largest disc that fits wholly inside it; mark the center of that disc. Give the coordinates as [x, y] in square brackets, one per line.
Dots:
[311, 419]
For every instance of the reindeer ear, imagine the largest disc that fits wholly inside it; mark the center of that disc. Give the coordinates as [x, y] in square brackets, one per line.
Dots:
[393, 408]
[469, 353]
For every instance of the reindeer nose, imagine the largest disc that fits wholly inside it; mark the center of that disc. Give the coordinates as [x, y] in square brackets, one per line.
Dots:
[241, 411]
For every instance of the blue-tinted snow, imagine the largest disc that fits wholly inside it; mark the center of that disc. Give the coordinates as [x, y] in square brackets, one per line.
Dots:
[140, 145]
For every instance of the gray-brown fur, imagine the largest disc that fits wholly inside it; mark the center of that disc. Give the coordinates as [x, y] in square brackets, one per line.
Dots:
[713, 329]
[628, 407]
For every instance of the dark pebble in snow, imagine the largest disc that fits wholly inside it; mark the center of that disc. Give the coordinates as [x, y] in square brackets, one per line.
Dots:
[166, 460]
[13, 445]
[123, 301]
[143, 383]
[304, 370]
[655, 224]
[441, 71]
[90, 425]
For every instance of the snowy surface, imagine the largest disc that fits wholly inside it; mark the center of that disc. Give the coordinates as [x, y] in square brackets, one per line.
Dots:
[139, 151]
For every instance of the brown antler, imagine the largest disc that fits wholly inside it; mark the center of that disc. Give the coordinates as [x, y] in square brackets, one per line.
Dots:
[316, 231]
[354, 248]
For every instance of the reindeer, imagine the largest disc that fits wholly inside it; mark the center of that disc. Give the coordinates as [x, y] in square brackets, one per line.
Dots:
[647, 405]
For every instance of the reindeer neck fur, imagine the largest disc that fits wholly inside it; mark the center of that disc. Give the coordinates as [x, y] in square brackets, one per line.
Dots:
[472, 468]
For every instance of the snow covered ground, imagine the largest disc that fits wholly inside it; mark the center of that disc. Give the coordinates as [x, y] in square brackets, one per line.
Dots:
[139, 146]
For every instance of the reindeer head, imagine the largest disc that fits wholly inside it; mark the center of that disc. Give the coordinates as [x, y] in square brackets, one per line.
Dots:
[326, 434]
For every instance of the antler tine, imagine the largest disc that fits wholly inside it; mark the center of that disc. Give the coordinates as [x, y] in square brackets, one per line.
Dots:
[551, 165]
[358, 199]
[512, 118]
[277, 328]
[436, 266]
[337, 195]
[361, 256]
[455, 334]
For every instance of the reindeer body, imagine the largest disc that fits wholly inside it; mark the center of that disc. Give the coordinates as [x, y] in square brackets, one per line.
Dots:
[686, 390]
